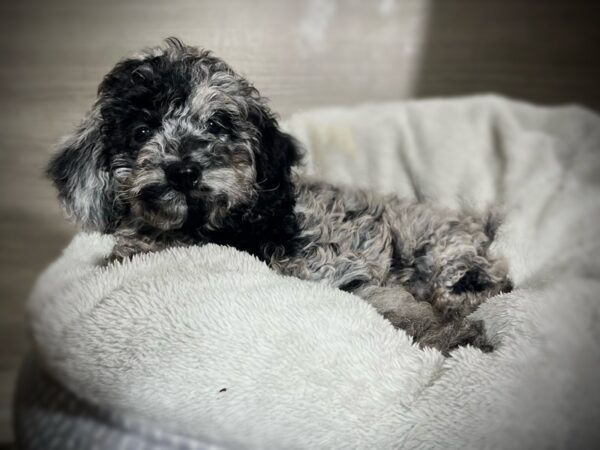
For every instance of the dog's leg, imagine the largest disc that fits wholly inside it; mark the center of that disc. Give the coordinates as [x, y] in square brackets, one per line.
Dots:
[126, 247]
[470, 274]
[129, 242]
[442, 257]
[422, 321]
[466, 282]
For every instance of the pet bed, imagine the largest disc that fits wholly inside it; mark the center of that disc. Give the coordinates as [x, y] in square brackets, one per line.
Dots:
[206, 347]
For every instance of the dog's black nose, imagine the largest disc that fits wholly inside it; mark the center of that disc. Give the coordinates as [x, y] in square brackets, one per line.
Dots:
[182, 177]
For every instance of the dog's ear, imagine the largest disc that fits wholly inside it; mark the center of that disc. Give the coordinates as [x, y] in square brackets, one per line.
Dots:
[80, 173]
[272, 215]
[279, 152]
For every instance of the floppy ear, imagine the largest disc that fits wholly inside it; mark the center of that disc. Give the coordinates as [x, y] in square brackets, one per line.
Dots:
[80, 173]
[279, 152]
[273, 213]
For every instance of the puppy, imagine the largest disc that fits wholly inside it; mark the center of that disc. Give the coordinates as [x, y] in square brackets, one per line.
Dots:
[181, 150]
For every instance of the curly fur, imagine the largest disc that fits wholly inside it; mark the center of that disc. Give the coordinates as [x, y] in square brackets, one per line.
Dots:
[176, 111]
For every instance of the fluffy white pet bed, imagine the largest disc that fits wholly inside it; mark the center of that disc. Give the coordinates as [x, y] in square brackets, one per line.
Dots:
[210, 344]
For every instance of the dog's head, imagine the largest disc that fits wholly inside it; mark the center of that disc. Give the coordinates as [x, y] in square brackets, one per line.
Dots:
[175, 136]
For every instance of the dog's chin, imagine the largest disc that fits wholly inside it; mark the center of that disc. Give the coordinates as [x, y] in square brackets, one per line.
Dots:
[167, 212]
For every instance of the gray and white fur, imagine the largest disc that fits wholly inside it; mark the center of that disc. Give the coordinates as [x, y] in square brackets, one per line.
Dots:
[179, 149]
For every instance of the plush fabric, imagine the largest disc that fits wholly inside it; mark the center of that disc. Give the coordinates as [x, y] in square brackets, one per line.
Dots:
[209, 343]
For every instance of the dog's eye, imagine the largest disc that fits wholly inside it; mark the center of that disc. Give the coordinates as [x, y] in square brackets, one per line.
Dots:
[214, 127]
[141, 134]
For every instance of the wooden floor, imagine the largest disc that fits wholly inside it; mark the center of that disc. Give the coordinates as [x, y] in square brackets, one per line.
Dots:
[299, 53]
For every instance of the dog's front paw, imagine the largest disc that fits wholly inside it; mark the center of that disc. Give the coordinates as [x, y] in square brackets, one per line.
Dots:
[113, 258]
[117, 255]
[120, 253]
[125, 249]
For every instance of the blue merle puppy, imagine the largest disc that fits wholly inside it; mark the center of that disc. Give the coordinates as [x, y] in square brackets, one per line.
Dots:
[181, 150]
